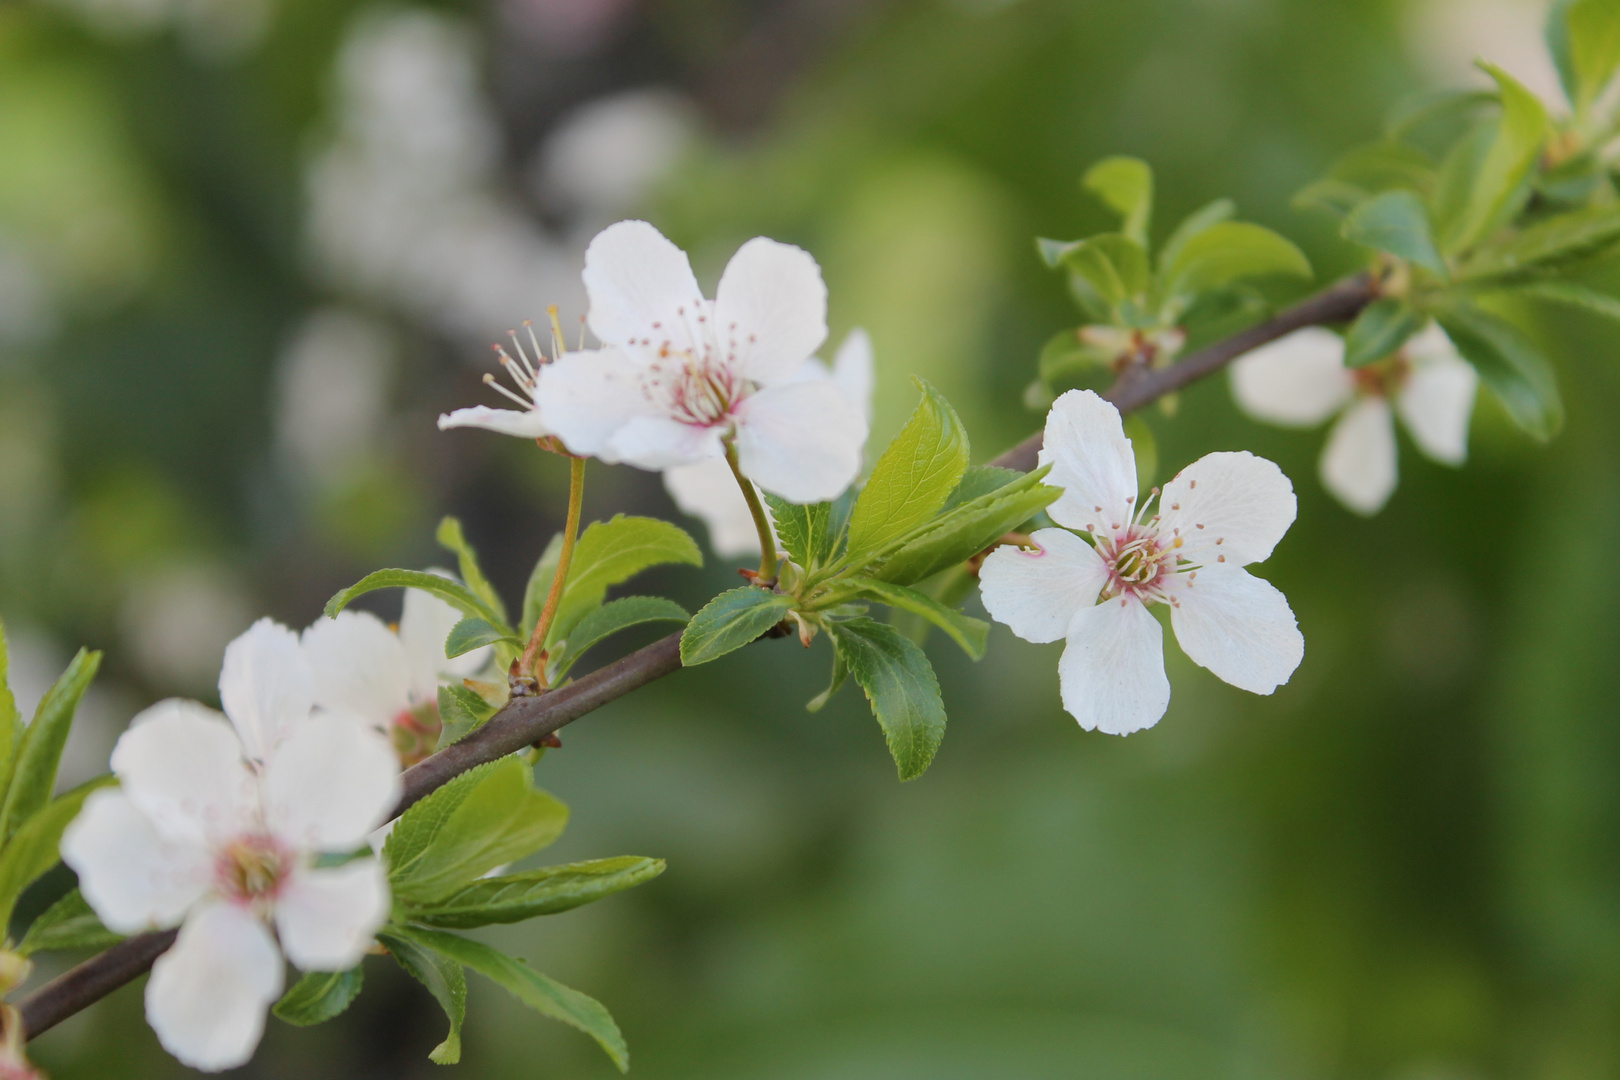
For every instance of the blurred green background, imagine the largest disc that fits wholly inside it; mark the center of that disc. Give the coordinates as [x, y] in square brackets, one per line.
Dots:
[250, 248]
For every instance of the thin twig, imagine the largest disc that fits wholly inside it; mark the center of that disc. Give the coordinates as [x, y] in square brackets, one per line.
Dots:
[526, 720]
[531, 662]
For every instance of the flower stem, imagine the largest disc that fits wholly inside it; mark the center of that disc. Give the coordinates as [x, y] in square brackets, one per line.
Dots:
[531, 661]
[767, 542]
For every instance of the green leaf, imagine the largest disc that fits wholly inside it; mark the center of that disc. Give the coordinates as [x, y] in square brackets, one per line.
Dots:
[1396, 222]
[730, 621]
[40, 749]
[482, 819]
[461, 712]
[809, 534]
[612, 552]
[443, 978]
[544, 995]
[11, 725]
[1230, 251]
[1113, 264]
[978, 481]
[1594, 48]
[915, 475]
[513, 898]
[450, 537]
[970, 633]
[1509, 364]
[1125, 184]
[319, 996]
[1445, 109]
[1547, 243]
[840, 672]
[67, 924]
[35, 847]
[1555, 33]
[449, 590]
[539, 586]
[474, 633]
[961, 533]
[1209, 214]
[1382, 327]
[1500, 184]
[609, 619]
[1568, 292]
[899, 685]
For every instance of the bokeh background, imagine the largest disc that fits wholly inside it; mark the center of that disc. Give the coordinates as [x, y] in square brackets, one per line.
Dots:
[250, 248]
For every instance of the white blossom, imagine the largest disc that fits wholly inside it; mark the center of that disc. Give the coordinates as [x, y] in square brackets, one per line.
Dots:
[386, 678]
[1219, 514]
[680, 376]
[707, 490]
[1300, 380]
[216, 828]
[525, 421]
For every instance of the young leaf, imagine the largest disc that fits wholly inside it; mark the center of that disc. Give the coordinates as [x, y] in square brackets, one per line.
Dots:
[609, 619]
[483, 818]
[1113, 264]
[840, 672]
[1547, 243]
[474, 633]
[979, 481]
[11, 725]
[915, 475]
[1382, 327]
[1499, 185]
[40, 749]
[539, 586]
[1594, 48]
[612, 552]
[730, 621]
[450, 537]
[33, 849]
[1396, 222]
[970, 633]
[513, 898]
[544, 995]
[961, 533]
[67, 924]
[798, 527]
[450, 591]
[461, 712]
[1230, 251]
[1125, 184]
[1509, 364]
[1568, 292]
[899, 685]
[1212, 213]
[443, 978]
[319, 996]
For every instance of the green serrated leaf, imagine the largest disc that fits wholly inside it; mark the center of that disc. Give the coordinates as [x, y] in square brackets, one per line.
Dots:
[443, 978]
[900, 686]
[1398, 223]
[959, 534]
[1230, 251]
[40, 749]
[1382, 327]
[450, 537]
[542, 994]
[612, 552]
[449, 590]
[513, 898]
[1125, 184]
[1594, 48]
[1547, 243]
[609, 619]
[730, 621]
[461, 712]
[1573, 295]
[67, 924]
[916, 474]
[840, 673]
[1555, 34]
[1211, 213]
[539, 585]
[1447, 109]
[474, 633]
[970, 633]
[799, 527]
[979, 481]
[319, 996]
[34, 847]
[11, 725]
[1510, 364]
[482, 819]
[1500, 184]
[1112, 264]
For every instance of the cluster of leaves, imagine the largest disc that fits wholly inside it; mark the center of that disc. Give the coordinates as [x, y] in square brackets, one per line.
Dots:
[444, 860]
[902, 542]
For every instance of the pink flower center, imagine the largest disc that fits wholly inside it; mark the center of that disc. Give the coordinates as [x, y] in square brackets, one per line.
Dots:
[1137, 563]
[701, 382]
[1384, 378]
[251, 868]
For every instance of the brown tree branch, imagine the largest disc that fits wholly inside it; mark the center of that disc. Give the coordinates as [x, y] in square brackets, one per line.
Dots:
[527, 720]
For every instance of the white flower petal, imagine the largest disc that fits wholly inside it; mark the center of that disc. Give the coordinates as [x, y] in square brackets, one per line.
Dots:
[1092, 462]
[424, 622]
[708, 491]
[658, 442]
[1230, 504]
[131, 876]
[326, 918]
[1238, 626]
[1299, 380]
[182, 765]
[359, 667]
[771, 308]
[329, 785]
[1037, 593]
[1358, 462]
[853, 370]
[265, 685]
[1437, 403]
[587, 396]
[1112, 671]
[800, 440]
[637, 281]
[208, 994]
[523, 423]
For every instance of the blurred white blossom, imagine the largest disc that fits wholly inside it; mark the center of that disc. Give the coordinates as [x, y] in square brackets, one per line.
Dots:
[175, 621]
[213, 29]
[332, 389]
[606, 156]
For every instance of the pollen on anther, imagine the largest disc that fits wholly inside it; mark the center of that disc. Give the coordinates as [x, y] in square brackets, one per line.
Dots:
[1220, 558]
[1191, 484]
[1199, 524]
[1220, 540]
[1175, 506]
